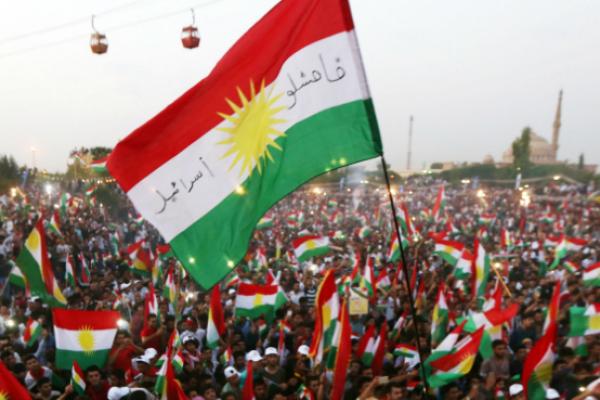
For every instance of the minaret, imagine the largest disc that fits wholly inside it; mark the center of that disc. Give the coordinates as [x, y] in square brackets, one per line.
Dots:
[408, 156]
[556, 126]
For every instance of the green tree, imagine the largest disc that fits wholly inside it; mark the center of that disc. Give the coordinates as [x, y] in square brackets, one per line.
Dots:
[581, 163]
[521, 151]
[9, 173]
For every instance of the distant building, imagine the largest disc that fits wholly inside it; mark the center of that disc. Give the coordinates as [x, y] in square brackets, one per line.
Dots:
[541, 151]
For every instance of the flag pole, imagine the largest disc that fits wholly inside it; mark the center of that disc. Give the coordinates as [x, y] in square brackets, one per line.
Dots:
[413, 310]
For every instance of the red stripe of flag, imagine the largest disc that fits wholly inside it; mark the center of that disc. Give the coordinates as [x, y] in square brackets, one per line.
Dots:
[246, 289]
[79, 319]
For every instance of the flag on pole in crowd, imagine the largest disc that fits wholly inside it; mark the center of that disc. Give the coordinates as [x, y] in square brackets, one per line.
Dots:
[537, 368]
[393, 253]
[248, 164]
[457, 363]
[571, 266]
[70, 271]
[169, 288]
[398, 325]
[440, 203]
[54, 223]
[77, 379]
[306, 247]
[248, 388]
[366, 346]
[492, 321]
[591, 275]
[327, 310]
[140, 261]
[10, 387]
[368, 283]
[304, 393]
[16, 276]
[480, 270]
[439, 319]
[575, 244]
[99, 165]
[151, 305]
[446, 346]
[264, 223]
[254, 301]
[85, 277]
[342, 354]
[380, 350]
[83, 336]
[215, 328]
[36, 268]
[167, 387]
[462, 270]
[560, 252]
[505, 239]
[584, 321]
[553, 307]
[405, 222]
[33, 330]
[383, 281]
[449, 250]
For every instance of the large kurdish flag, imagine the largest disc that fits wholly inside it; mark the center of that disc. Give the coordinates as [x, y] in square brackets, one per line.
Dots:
[287, 102]
[36, 268]
[83, 336]
[254, 301]
[309, 246]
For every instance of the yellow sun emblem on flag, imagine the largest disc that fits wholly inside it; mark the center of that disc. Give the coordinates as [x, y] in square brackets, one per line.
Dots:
[258, 299]
[252, 131]
[85, 336]
[4, 396]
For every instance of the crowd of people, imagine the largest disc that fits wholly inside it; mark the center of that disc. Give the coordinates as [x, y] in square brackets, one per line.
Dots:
[358, 223]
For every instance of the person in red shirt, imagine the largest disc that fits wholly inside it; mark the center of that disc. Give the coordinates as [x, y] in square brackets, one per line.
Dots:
[142, 368]
[97, 387]
[122, 352]
[152, 334]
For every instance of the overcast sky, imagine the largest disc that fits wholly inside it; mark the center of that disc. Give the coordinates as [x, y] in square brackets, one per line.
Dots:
[473, 73]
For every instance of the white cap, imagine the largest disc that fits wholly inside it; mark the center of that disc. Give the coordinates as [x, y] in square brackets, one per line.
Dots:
[271, 351]
[515, 389]
[146, 358]
[253, 355]
[304, 350]
[115, 393]
[230, 371]
[552, 394]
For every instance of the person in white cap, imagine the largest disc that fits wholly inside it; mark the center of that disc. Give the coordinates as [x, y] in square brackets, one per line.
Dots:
[516, 391]
[272, 372]
[118, 393]
[233, 382]
[304, 350]
[552, 394]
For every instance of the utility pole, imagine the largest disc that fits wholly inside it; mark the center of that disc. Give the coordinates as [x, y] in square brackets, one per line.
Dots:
[410, 131]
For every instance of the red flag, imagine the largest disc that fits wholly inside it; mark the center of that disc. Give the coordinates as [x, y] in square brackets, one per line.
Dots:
[364, 340]
[537, 369]
[248, 389]
[10, 388]
[342, 357]
[377, 364]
